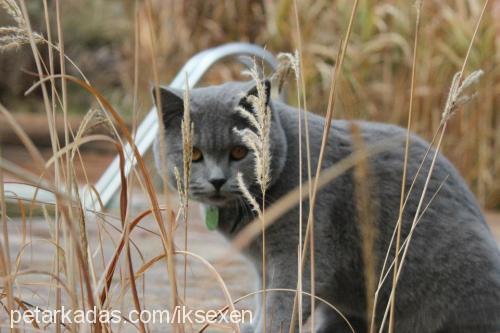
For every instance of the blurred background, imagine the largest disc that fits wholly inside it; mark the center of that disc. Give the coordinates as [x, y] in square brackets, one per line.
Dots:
[100, 36]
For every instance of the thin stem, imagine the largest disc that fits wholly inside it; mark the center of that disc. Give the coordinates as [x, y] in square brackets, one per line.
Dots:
[403, 181]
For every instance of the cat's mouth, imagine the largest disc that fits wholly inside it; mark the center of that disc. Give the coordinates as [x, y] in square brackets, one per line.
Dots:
[214, 199]
[217, 198]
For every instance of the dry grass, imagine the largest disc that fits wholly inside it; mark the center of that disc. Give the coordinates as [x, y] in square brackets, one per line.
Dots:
[366, 78]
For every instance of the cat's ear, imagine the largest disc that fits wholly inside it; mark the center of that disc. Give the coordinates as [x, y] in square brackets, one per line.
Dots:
[253, 92]
[172, 104]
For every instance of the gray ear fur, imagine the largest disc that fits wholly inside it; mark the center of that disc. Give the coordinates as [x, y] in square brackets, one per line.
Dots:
[253, 92]
[172, 104]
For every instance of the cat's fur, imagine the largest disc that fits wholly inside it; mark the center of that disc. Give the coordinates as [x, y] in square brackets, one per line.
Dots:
[450, 281]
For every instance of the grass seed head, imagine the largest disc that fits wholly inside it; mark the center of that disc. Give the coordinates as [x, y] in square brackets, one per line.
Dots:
[457, 95]
[12, 37]
[259, 118]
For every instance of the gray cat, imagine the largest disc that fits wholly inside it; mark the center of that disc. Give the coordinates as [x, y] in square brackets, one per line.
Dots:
[450, 281]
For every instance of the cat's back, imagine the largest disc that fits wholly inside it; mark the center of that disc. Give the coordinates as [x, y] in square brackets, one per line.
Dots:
[446, 192]
[429, 175]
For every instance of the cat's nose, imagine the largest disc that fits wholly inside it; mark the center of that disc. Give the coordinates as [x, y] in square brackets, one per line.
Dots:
[217, 183]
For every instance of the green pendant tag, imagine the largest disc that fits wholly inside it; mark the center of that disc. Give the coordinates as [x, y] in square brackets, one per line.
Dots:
[212, 217]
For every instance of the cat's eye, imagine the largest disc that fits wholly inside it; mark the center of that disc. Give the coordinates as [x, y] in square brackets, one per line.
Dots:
[197, 156]
[238, 153]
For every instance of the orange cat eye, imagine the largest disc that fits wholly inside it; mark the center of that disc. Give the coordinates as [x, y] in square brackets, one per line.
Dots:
[238, 153]
[197, 155]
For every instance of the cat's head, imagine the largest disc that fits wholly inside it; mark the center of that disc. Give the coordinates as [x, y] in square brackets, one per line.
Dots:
[219, 153]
